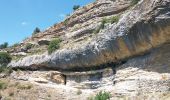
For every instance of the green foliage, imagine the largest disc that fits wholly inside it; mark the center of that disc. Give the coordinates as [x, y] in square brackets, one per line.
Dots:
[101, 96]
[5, 58]
[24, 86]
[102, 25]
[75, 7]
[28, 46]
[15, 45]
[96, 30]
[54, 44]
[3, 85]
[134, 2]
[114, 19]
[111, 20]
[4, 45]
[4, 69]
[104, 21]
[36, 30]
[65, 22]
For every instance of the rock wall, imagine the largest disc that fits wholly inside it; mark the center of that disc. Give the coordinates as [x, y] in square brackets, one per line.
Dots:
[91, 80]
[141, 75]
[143, 27]
[145, 74]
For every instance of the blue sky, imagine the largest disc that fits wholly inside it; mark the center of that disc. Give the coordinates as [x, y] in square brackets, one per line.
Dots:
[18, 18]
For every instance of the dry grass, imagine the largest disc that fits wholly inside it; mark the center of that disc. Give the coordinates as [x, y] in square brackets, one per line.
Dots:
[24, 86]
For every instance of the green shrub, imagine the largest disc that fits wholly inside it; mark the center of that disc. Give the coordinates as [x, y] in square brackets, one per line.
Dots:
[102, 25]
[3, 85]
[96, 30]
[104, 21]
[36, 30]
[4, 69]
[28, 46]
[75, 7]
[101, 96]
[53, 45]
[134, 2]
[5, 58]
[24, 86]
[65, 22]
[15, 45]
[4, 45]
[114, 19]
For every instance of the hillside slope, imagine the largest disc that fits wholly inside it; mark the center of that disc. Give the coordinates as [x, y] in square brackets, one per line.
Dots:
[118, 46]
[140, 28]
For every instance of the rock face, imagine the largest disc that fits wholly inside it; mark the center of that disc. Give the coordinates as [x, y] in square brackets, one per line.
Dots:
[140, 28]
[91, 79]
[145, 74]
[135, 49]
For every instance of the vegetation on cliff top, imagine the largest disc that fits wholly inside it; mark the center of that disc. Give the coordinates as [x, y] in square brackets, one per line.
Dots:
[4, 45]
[36, 30]
[75, 7]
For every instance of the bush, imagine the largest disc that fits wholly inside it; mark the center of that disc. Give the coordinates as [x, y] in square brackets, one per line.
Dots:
[65, 22]
[36, 30]
[24, 86]
[104, 21]
[101, 96]
[53, 45]
[97, 30]
[102, 25]
[15, 45]
[75, 7]
[134, 2]
[4, 45]
[28, 46]
[3, 85]
[4, 69]
[5, 58]
[114, 19]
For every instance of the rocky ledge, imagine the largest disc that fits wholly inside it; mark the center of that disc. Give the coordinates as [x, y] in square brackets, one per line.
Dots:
[129, 56]
[140, 29]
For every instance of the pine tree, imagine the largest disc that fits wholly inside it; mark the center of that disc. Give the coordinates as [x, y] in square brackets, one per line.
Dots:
[36, 30]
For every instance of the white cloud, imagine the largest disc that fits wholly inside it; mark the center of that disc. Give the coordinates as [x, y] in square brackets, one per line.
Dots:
[24, 23]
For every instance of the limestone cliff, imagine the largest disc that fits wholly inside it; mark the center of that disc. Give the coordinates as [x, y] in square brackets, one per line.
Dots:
[113, 45]
[140, 28]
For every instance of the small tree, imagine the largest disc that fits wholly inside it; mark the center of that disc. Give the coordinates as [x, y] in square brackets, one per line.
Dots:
[5, 58]
[36, 30]
[75, 7]
[4, 45]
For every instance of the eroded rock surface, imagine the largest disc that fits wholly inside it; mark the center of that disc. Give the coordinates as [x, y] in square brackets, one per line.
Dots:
[128, 57]
[140, 28]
